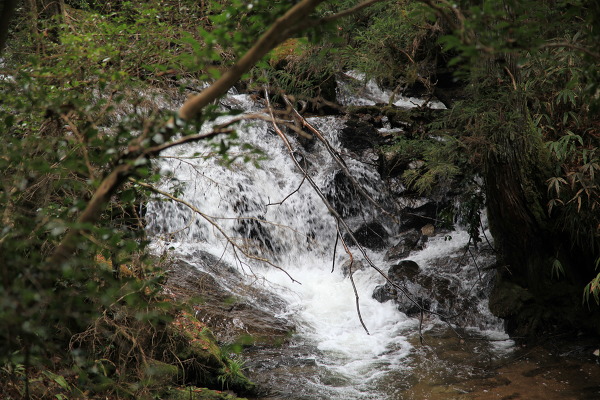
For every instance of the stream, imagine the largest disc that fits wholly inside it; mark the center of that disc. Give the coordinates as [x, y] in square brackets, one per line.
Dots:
[271, 212]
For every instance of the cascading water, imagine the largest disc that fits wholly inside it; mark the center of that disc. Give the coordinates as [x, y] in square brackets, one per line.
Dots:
[271, 212]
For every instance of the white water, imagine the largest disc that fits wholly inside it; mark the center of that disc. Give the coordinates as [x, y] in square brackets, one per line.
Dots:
[370, 94]
[299, 238]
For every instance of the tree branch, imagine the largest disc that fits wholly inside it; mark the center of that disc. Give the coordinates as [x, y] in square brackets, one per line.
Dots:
[572, 46]
[137, 153]
[349, 11]
[214, 224]
[283, 28]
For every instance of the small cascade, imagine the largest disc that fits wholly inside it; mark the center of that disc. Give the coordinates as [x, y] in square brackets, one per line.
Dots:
[271, 212]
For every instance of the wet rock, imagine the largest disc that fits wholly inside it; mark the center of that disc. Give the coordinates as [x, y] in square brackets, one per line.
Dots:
[357, 265]
[403, 271]
[401, 275]
[414, 305]
[257, 232]
[442, 289]
[343, 195]
[415, 290]
[417, 217]
[372, 236]
[507, 299]
[358, 136]
[408, 241]
[383, 293]
[224, 309]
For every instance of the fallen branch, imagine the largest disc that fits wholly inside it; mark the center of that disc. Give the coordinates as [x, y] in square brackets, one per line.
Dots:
[340, 221]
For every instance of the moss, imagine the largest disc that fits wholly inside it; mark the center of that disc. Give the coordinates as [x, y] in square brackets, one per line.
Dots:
[159, 374]
[203, 360]
[291, 50]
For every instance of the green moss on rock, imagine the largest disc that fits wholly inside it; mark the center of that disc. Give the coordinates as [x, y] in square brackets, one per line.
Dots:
[203, 360]
[158, 373]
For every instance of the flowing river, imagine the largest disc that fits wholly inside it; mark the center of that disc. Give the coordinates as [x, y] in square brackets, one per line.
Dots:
[272, 212]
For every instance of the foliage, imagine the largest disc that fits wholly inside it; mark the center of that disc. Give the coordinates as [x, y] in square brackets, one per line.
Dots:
[533, 73]
[438, 169]
[71, 104]
[394, 43]
[64, 109]
[524, 122]
[301, 69]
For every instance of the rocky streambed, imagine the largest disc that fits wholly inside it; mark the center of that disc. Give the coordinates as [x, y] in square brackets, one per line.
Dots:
[430, 331]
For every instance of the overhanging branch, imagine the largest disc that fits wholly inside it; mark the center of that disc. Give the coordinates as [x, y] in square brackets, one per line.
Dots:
[284, 27]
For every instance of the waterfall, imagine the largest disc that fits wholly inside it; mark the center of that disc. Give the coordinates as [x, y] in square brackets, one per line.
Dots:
[270, 212]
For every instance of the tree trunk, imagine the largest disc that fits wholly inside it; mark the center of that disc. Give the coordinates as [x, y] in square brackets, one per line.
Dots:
[6, 14]
[45, 16]
[542, 272]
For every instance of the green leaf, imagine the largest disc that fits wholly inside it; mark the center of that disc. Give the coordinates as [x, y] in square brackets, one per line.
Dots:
[62, 382]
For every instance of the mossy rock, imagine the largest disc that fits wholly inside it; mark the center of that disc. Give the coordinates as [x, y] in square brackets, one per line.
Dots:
[158, 373]
[397, 116]
[203, 361]
[194, 393]
[508, 299]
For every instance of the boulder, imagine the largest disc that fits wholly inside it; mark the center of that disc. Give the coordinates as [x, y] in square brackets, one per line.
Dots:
[372, 236]
[405, 270]
[385, 292]
[229, 315]
[409, 241]
[401, 275]
[415, 290]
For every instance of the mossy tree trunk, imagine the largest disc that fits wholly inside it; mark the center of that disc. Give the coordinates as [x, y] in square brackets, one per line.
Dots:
[538, 259]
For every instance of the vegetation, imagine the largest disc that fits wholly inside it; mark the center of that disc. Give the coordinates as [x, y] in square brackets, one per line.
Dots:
[89, 96]
[84, 88]
[524, 119]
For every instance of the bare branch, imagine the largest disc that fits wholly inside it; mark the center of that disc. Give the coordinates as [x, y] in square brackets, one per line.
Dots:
[350, 273]
[340, 161]
[337, 238]
[289, 195]
[213, 223]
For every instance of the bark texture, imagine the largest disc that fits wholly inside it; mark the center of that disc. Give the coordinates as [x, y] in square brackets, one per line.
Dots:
[7, 12]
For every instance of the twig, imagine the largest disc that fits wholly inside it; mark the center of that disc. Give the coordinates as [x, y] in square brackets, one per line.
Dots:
[80, 138]
[214, 224]
[288, 196]
[350, 273]
[339, 160]
[512, 77]
[337, 238]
